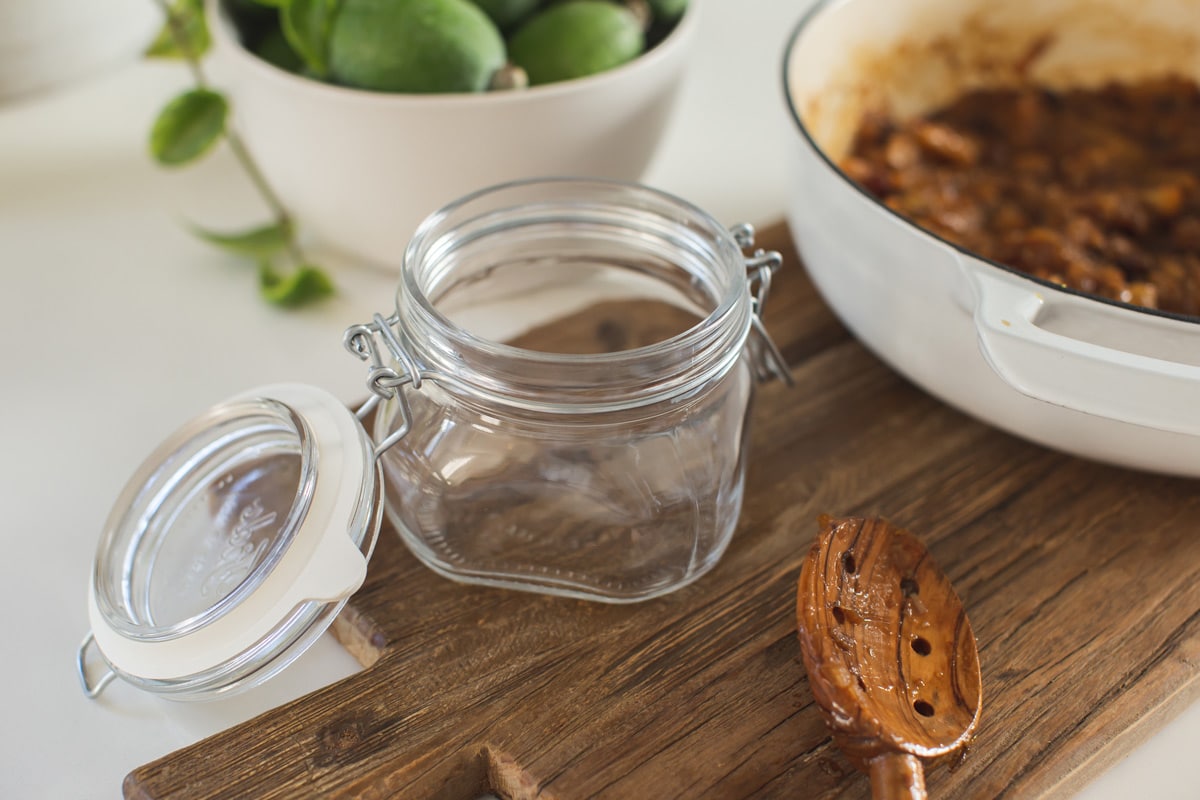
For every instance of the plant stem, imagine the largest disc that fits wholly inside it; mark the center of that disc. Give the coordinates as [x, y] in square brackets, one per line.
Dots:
[177, 25]
[264, 189]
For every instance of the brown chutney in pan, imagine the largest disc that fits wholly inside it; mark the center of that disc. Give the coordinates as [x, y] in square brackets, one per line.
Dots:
[1094, 189]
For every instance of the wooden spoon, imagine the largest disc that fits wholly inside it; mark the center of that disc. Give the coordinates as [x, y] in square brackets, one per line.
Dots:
[890, 655]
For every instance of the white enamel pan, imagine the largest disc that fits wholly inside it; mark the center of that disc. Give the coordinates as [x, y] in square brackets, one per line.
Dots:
[1083, 375]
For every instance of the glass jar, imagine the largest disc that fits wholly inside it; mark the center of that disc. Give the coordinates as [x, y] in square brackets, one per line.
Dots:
[601, 454]
[600, 465]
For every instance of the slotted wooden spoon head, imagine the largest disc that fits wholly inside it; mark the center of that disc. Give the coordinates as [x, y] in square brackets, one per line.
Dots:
[890, 655]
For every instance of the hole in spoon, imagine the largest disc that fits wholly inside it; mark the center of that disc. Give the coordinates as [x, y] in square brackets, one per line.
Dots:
[923, 708]
[849, 563]
[921, 646]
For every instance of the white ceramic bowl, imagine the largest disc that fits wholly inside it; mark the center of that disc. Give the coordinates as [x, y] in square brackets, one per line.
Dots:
[1076, 373]
[46, 44]
[361, 169]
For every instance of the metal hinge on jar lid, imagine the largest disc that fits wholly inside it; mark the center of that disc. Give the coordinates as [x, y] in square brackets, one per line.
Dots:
[384, 381]
[761, 266]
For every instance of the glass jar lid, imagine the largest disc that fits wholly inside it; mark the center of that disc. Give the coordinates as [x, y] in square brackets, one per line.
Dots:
[234, 545]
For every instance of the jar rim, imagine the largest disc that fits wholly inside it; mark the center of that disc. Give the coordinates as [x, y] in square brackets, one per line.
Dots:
[711, 339]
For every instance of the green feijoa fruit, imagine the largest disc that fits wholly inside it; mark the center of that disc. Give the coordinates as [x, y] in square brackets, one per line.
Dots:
[507, 13]
[417, 46]
[667, 10]
[575, 39]
[274, 49]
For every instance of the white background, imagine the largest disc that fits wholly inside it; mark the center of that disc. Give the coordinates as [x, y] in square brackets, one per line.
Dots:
[116, 325]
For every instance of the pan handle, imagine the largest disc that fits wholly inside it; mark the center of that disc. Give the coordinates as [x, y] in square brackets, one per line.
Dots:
[1014, 318]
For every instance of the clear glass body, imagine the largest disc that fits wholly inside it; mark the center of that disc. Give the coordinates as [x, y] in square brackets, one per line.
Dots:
[601, 452]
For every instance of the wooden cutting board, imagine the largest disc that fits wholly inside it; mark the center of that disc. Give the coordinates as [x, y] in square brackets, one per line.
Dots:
[1082, 582]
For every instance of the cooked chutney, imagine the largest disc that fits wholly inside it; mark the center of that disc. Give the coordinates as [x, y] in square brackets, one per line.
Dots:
[1095, 189]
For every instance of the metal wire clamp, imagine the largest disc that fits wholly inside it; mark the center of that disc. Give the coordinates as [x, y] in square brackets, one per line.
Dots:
[761, 266]
[383, 381]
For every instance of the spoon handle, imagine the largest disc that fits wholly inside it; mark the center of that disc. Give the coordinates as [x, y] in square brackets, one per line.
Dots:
[897, 776]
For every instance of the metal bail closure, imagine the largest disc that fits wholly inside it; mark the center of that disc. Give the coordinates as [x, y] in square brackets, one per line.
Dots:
[90, 689]
[383, 381]
[233, 546]
[761, 267]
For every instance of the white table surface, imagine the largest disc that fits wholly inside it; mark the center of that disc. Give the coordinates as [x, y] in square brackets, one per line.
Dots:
[116, 325]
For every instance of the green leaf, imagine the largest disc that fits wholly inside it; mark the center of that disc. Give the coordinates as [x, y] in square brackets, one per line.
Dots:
[184, 34]
[188, 127]
[257, 242]
[306, 285]
[306, 24]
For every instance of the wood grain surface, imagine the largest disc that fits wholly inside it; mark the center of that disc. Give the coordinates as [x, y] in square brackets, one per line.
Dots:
[1082, 583]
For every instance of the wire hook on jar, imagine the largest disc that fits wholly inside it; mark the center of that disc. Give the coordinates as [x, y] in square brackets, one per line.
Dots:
[360, 340]
[384, 382]
[90, 689]
[761, 267]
